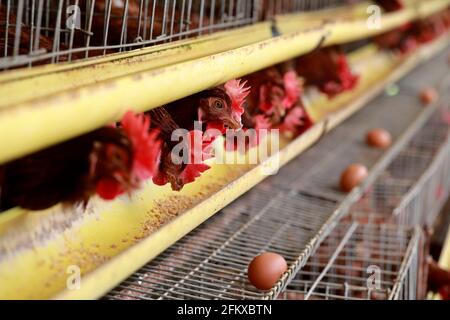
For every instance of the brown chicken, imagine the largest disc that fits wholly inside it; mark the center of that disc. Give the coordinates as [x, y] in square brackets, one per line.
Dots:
[108, 162]
[273, 103]
[275, 100]
[410, 36]
[27, 43]
[8, 35]
[438, 279]
[140, 23]
[327, 69]
[390, 5]
[218, 108]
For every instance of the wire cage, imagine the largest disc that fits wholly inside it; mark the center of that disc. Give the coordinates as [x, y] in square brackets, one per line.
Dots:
[360, 262]
[43, 31]
[415, 186]
[34, 32]
[413, 190]
[211, 261]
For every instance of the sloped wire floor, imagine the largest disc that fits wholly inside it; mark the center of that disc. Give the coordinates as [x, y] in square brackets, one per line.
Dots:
[289, 213]
[351, 254]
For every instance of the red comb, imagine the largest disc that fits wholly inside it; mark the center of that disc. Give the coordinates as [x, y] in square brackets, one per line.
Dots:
[292, 86]
[349, 80]
[146, 144]
[264, 104]
[262, 122]
[237, 93]
[346, 79]
[293, 120]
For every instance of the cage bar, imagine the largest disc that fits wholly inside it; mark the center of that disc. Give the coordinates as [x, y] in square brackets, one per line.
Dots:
[39, 32]
[360, 262]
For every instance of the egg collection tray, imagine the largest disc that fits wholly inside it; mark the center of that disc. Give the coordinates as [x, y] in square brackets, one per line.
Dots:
[292, 212]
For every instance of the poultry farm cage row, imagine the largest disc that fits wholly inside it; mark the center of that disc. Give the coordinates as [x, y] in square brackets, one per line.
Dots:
[36, 32]
[339, 268]
[415, 186]
[406, 196]
[373, 234]
[41, 31]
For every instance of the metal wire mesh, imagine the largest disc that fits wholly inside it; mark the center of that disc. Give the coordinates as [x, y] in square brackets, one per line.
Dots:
[360, 262]
[41, 31]
[35, 32]
[407, 195]
[290, 213]
[210, 263]
[415, 186]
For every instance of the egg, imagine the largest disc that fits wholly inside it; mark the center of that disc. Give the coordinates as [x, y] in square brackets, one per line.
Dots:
[379, 138]
[353, 176]
[429, 95]
[266, 269]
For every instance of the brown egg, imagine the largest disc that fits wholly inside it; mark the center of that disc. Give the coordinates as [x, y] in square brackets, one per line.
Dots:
[379, 138]
[266, 269]
[353, 176]
[429, 95]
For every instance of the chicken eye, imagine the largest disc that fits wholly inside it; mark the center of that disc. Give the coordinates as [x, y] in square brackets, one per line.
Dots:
[116, 154]
[218, 104]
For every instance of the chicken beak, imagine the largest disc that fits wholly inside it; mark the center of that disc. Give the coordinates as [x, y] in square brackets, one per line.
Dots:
[232, 123]
[124, 181]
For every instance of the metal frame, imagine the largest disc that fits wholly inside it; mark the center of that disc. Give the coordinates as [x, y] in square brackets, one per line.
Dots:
[356, 255]
[57, 31]
[403, 199]
[102, 26]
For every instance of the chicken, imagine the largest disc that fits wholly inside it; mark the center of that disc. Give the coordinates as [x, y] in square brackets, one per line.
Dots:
[438, 279]
[390, 5]
[274, 103]
[220, 107]
[328, 70]
[25, 44]
[108, 162]
[397, 40]
[429, 29]
[275, 97]
[217, 108]
[410, 36]
[127, 26]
